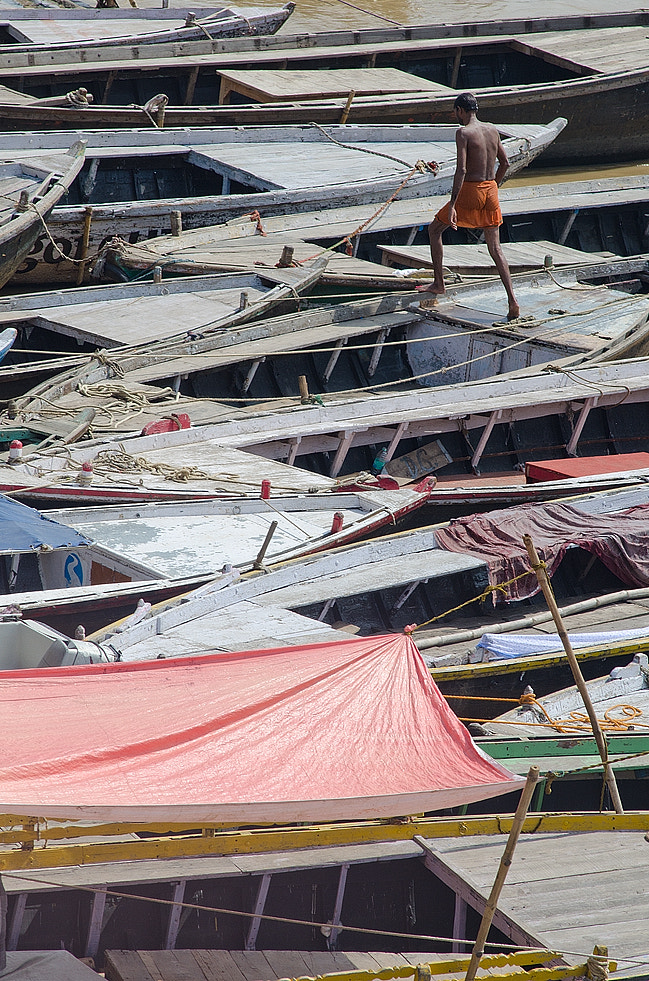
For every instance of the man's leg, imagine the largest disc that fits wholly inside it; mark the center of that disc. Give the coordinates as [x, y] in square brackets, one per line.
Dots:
[435, 232]
[492, 238]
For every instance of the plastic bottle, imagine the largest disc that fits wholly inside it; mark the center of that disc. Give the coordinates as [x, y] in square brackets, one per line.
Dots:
[379, 462]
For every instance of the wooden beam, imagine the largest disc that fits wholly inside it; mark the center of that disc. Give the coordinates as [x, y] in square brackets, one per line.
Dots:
[396, 439]
[192, 78]
[568, 225]
[346, 438]
[173, 924]
[459, 925]
[333, 360]
[484, 438]
[338, 906]
[376, 353]
[292, 453]
[16, 921]
[260, 902]
[252, 371]
[96, 920]
[571, 445]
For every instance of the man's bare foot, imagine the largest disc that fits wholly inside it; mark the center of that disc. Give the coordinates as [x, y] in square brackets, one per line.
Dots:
[514, 312]
[433, 288]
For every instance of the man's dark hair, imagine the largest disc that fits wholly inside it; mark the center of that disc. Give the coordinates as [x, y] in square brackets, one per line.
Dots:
[466, 101]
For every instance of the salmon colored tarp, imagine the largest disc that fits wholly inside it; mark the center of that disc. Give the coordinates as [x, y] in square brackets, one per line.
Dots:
[345, 730]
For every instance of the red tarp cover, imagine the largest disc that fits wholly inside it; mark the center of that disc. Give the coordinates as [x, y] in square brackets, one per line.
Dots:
[351, 729]
[620, 540]
[585, 466]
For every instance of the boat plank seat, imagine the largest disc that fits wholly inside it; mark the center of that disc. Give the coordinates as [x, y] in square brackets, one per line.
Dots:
[320, 334]
[275, 165]
[267, 85]
[137, 320]
[475, 259]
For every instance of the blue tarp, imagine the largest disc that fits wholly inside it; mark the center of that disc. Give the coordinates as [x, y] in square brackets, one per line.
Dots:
[498, 646]
[23, 529]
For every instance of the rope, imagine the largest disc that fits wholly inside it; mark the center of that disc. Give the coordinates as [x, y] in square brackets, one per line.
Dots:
[154, 104]
[420, 165]
[130, 396]
[489, 591]
[579, 722]
[77, 262]
[572, 374]
[115, 460]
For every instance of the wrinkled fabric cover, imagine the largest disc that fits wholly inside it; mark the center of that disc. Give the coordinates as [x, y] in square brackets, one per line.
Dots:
[620, 540]
[23, 528]
[350, 729]
[499, 646]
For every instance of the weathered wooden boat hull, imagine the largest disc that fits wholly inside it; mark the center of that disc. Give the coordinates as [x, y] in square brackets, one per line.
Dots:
[244, 189]
[588, 104]
[18, 235]
[213, 23]
[541, 82]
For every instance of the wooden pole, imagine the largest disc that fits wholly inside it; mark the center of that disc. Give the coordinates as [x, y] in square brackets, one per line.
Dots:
[602, 746]
[85, 241]
[344, 116]
[501, 875]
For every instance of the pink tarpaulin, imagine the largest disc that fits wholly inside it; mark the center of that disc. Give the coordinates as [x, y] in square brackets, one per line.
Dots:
[620, 540]
[351, 729]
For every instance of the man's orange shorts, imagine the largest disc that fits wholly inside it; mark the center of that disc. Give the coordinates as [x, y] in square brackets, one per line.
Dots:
[477, 206]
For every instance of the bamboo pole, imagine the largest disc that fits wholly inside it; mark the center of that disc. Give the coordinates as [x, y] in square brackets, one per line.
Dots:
[85, 241]
[600, 739]
[501, 875]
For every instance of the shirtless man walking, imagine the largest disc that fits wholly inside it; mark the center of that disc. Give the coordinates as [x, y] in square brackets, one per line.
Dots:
[474, 197]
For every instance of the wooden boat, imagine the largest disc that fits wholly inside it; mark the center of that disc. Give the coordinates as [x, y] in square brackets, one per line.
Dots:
[235, 173]
[465, 336]
[522, 399]
[394, 340]
[387, 584]
[620, 700]
[148, 553]
[504, 653]
[196, 539]
[7, 339]
[31, 187]
[139, 315]
[586, 69]
[86, 29]
[599, 216]
[507, 421]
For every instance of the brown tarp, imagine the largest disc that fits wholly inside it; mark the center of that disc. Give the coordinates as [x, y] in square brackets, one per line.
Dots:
[620, 540]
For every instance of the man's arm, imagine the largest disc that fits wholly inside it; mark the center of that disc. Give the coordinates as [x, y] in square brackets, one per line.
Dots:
[503, 164]
[460, 173]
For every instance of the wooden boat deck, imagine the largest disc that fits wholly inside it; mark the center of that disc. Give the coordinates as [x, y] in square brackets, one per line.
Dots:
[582, 51]
[602, 50]
[251, 965]
[269, 85]
[566, 892]
[474, 260]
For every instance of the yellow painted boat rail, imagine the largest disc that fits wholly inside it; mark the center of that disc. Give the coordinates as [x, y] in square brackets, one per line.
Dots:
[29, 843]
[520, 962]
